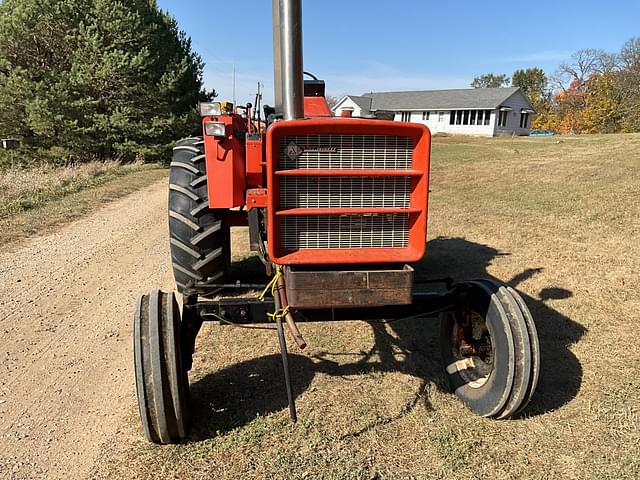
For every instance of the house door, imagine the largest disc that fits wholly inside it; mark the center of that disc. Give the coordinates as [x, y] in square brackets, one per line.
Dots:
[440, 122]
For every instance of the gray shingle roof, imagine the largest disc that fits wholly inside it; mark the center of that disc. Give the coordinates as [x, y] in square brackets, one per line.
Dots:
[439, 99]
[363, 102]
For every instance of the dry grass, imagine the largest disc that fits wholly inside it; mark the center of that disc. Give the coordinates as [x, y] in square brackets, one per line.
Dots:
[27, 188]
[559, 219]
[40, 197]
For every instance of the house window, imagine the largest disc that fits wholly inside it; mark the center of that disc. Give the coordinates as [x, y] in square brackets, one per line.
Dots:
[425, 116]
[502, 118]
[406, 116]
[470, 117]
[524, 120]
[441, 116]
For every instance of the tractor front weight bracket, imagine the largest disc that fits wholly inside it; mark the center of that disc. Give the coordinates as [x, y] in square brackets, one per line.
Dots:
[251, 310]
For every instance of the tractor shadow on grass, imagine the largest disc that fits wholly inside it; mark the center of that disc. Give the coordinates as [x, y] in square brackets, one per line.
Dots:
[418, 340]
[236, 395]
[560, 371]
[248, 270]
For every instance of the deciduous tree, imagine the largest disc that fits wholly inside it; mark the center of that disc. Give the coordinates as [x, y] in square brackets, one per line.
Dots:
[629, 82]
[534, 83]
[490, 80]
[582, 65]
[602, 111]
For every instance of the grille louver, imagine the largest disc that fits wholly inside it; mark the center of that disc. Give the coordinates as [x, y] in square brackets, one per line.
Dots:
[348, 152]
[345, 152]
[345, 231]
[345, 192]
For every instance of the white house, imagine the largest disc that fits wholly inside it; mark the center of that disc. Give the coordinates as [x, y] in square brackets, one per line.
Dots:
[468, 111]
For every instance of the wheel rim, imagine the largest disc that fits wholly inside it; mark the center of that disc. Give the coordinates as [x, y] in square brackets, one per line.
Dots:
[490, 349]
[472, 349]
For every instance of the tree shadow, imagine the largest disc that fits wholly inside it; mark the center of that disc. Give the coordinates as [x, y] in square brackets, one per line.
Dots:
[235, 395]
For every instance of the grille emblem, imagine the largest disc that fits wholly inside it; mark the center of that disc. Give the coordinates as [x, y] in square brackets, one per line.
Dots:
[293, 150]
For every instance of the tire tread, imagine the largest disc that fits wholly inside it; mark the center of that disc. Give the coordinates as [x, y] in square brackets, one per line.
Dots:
[199, 241]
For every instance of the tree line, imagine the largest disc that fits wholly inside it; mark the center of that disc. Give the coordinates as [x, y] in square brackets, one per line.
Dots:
[86, 79]
[592, 92]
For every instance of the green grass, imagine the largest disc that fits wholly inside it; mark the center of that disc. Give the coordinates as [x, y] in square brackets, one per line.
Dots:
[556, 217]
[454, 449]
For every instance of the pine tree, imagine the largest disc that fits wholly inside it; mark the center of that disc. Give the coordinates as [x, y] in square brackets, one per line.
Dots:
[96, 78]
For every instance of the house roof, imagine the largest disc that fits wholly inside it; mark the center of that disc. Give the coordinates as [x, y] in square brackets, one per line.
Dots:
[363, 102]
[439, 99]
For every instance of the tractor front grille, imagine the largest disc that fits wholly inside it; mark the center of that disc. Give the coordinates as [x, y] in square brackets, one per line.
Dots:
[345, 231]
[358, 196]
[345, 192]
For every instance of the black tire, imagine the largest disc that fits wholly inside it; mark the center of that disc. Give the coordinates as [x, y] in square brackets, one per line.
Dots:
[535, 348]
[499, 378]
[162, 384]
[200, 243]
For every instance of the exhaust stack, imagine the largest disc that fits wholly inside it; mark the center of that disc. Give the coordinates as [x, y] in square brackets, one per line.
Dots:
[287, 58]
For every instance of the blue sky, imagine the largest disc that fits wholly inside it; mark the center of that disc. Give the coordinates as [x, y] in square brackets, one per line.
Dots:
[381, 45]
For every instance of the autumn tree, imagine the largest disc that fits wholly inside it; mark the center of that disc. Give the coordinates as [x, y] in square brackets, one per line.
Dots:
[582, 65]
[573, 79]
[594, 91]
[603, 99]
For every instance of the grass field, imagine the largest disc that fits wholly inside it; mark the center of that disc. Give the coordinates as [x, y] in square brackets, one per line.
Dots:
[37, 198]
[558, 218]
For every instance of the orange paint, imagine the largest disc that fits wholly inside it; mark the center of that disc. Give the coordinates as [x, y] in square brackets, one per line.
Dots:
[225, 164]
[255, 162]
[417, 211]
[256, 198]
[316, 107]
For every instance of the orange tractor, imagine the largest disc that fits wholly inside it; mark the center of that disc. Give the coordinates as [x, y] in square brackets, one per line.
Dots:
[337, 212]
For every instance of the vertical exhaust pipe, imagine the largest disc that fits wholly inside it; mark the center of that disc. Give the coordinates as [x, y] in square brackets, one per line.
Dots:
[289, 70]
[277, 71]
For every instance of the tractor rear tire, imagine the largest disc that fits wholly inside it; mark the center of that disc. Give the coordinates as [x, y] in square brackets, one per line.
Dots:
[162, 383]
[200, 242]
[498, 379]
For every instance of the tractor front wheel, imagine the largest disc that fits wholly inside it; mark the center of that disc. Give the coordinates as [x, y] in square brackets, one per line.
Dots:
[162, 383]
[490, 350]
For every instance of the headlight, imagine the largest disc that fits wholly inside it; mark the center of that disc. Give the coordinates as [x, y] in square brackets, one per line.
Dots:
[215, 129]
[210, 109]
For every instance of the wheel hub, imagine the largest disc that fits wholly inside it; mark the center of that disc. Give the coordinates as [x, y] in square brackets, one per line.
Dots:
[472, 348]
